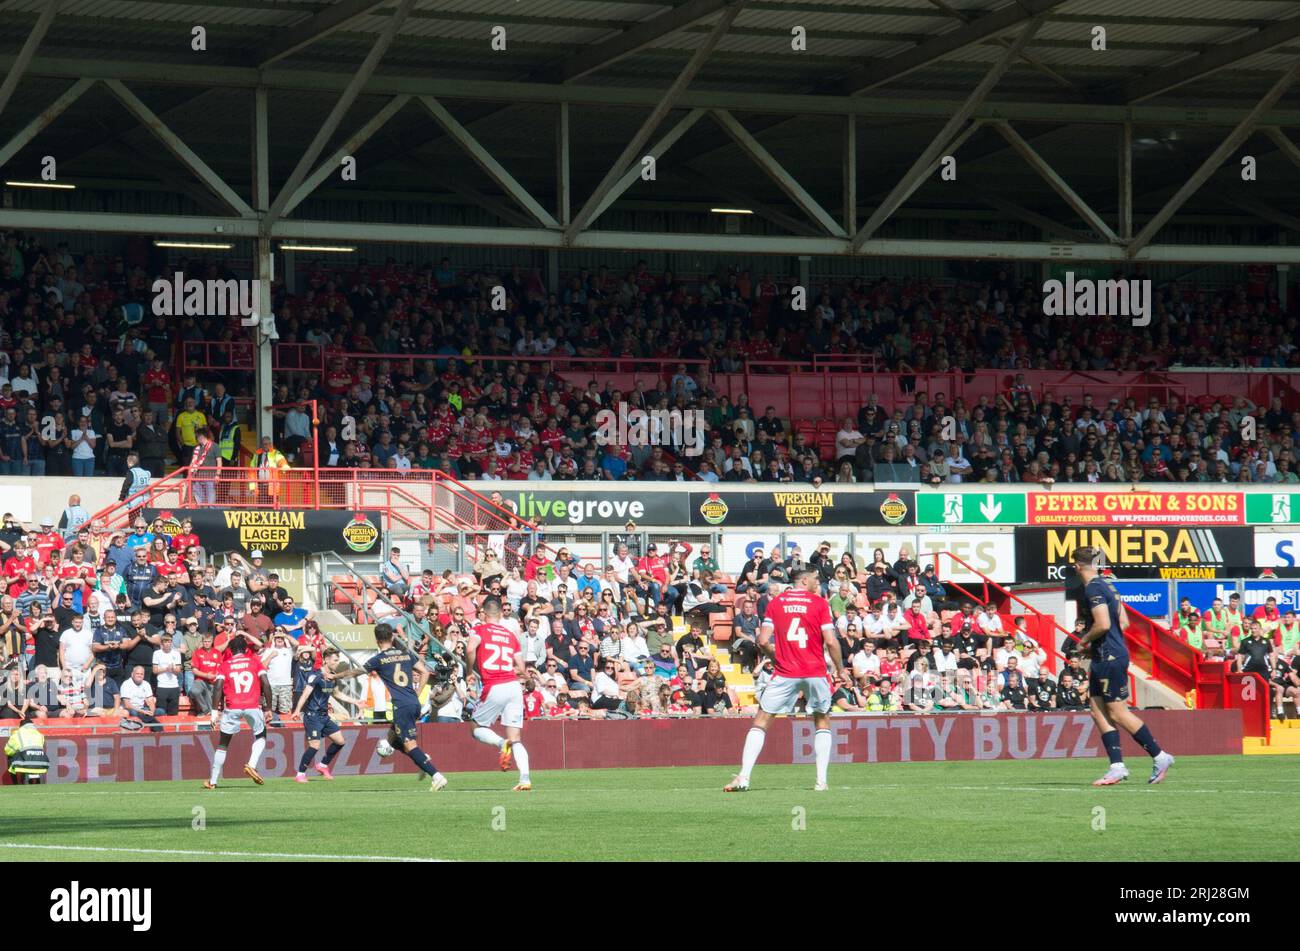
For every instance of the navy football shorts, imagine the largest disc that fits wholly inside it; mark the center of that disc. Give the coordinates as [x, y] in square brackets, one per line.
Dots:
[1108, 679]
[405, 718]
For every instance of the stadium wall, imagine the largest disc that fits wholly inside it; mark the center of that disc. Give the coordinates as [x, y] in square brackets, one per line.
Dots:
[591, 744]
[31, 499]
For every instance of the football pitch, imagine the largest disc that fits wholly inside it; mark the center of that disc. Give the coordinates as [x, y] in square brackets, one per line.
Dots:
[959, 811]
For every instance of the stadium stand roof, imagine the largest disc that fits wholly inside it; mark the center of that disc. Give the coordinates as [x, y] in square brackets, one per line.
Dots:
[468, 139]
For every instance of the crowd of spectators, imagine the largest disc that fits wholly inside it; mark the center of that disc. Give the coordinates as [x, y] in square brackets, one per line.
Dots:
[86, 375]
[1265, 641]
[133, 624]
[600, 640]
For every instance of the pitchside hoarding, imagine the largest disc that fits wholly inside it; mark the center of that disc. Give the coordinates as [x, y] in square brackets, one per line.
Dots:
[591, 744]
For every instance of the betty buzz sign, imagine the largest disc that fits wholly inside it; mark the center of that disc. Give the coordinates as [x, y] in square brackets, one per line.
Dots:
[276, 530]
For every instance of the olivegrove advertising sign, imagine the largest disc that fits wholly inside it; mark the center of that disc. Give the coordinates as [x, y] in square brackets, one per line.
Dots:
[603, 507]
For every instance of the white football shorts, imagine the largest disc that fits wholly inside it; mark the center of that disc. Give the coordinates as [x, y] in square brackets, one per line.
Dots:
[230, 720]
[782, 693]
[504, 702]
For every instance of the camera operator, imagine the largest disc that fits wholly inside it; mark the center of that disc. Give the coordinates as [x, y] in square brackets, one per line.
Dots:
[447, 691]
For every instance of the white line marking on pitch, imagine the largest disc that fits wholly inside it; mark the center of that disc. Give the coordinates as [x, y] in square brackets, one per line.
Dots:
[245, 855]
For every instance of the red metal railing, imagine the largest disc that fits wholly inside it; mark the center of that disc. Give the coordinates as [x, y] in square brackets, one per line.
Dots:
[1046, 624]
[424, 500]
[1167, 657]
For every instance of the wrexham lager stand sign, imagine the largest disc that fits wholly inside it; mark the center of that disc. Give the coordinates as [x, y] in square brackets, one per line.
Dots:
[970, 508]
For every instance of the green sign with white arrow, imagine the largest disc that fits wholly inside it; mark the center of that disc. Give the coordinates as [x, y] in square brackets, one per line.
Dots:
[970, 508]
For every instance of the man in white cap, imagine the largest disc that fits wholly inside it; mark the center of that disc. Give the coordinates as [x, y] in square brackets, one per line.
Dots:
[257, 577]
[47, 541]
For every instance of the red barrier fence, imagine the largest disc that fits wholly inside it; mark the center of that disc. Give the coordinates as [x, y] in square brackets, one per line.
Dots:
[589, 744]
[824, 385]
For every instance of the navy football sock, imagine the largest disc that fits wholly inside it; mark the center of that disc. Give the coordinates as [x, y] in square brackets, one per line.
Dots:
[332, 752]
[1147, 741]
[421, 759]
[1110, 740]
[308, 755]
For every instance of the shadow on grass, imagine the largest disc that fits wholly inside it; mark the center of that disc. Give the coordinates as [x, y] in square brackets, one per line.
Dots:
[98, 826]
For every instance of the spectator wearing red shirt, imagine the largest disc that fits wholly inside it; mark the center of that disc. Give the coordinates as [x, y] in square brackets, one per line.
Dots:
[1269, 617]
[20, 563]
[204, 664]
[918, 627]
[535, 563]
[157, 383]
[185, 539]
[653, 569]
[47, 541]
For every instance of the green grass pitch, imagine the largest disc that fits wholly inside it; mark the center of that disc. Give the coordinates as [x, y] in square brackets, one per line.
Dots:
[1032, 810]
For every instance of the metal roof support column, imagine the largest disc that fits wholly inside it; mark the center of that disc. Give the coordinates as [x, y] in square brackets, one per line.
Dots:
[616, 173]
[345, 101]
[1211, 165]
[933, 152]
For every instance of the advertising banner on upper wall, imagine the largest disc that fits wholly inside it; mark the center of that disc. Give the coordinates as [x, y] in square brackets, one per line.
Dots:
[1273, 508]
[970, 508]
[1136, 508]
[802, 509]
[1279, 550]
[302, 531]
[1043, 554]
[611, 507]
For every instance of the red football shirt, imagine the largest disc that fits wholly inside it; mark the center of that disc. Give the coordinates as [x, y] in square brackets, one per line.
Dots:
[16, 567]
[241, 681]
[48, 542]
[532, 704]
[495, 657]
[181, 543]
[797, 619]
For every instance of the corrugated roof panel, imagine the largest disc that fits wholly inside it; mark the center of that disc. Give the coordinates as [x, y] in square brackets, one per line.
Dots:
[1190, 9]
[574, 9]
[271, 13]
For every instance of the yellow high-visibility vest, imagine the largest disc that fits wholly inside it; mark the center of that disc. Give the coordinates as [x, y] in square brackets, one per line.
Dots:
[26, 751]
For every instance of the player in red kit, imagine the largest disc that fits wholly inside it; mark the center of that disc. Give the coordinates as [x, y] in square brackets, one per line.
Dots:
[500, 663]
[240, 693]
[798, 631]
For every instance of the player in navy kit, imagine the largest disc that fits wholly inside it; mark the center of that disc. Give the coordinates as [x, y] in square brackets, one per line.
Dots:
[403, 674]
[1108, 675]
[314, 708]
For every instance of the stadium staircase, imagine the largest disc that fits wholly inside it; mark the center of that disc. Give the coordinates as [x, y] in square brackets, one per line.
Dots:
[1284, 739]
